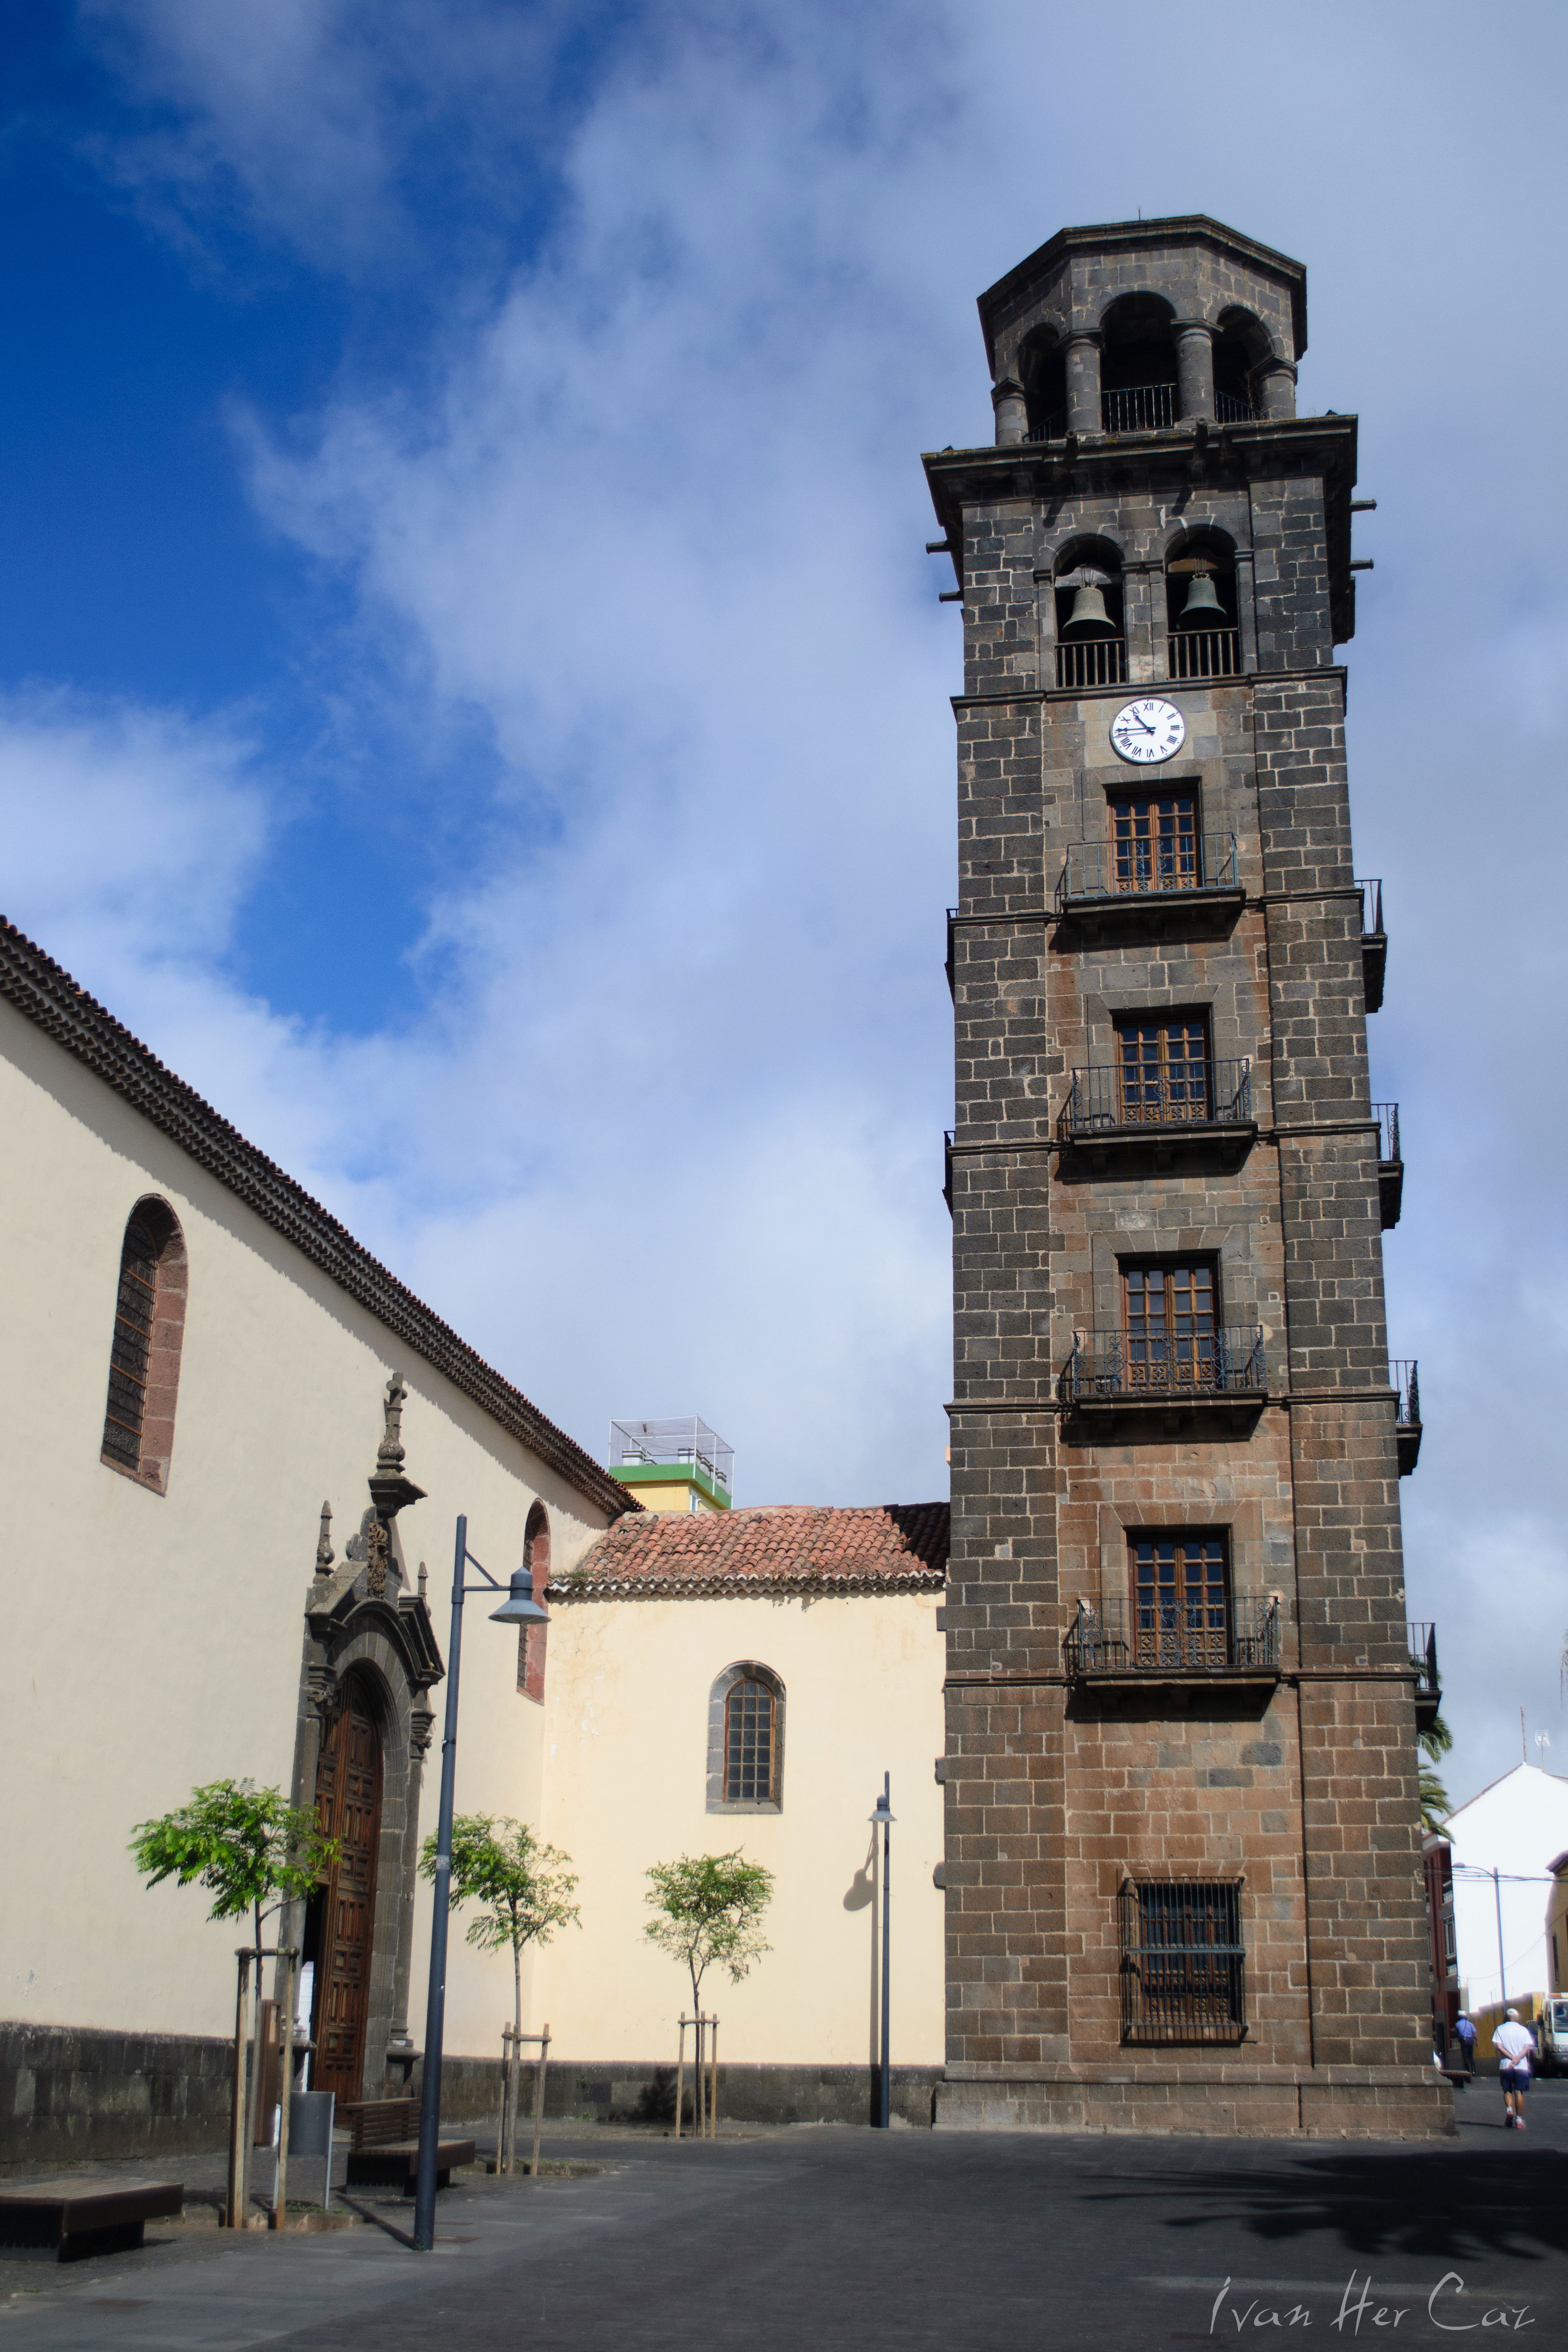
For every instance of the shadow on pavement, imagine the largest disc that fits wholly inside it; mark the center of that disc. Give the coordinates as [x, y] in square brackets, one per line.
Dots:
[1441, 2204]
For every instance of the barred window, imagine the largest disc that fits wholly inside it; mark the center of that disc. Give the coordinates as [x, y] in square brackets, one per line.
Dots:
[144, 1347]
[1183, 1960]
[749, 1743]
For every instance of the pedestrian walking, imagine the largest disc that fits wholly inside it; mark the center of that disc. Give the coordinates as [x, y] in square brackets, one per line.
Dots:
[1465, 2035]
[1515, 2047]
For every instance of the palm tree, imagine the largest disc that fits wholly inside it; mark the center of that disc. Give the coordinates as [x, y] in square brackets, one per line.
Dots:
[1435, 1741]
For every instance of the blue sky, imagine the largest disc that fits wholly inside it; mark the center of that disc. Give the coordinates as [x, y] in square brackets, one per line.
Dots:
[472, 696]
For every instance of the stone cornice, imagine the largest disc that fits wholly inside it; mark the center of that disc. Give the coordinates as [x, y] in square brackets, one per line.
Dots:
[52, 1000]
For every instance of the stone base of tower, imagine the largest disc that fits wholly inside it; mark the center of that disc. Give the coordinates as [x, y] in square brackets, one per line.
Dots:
[1259, 2102]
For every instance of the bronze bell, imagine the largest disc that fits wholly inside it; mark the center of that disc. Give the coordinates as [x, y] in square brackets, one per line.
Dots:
[1203, 609]
[1088, 612]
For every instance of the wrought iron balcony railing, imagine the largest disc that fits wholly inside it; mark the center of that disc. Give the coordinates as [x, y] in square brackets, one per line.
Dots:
[1110, 1368]
[1157, 1636]
[1422, 1643]
[1147, 869]
[1138, 408]
[1230, 408]
[1052, 426]
[1402, 1380]
[1092, 661]
[1203, 653]
[1110, 1101]
[1390, 1164]
[1374, 943]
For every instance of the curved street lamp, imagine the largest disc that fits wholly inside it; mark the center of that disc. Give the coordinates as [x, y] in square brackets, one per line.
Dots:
[519, 1608]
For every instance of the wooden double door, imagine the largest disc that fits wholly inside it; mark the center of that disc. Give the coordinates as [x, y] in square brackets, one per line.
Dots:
[348, 1803]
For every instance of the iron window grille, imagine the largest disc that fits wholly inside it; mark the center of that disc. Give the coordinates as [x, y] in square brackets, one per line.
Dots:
[749, 1743]
[1183, 1964]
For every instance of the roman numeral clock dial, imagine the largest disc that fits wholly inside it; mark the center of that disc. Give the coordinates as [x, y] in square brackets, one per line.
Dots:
[1148, 731]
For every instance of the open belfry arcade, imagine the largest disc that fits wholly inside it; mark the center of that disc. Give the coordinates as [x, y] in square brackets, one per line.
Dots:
[1183, 1852]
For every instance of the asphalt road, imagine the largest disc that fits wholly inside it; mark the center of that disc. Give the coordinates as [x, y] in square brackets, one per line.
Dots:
[840, 2241]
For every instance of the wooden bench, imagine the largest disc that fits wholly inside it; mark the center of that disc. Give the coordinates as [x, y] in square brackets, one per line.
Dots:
[384, 2148]
[64, 2220]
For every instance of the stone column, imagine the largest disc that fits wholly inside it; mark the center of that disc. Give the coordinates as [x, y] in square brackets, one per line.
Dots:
[1195, 368]
[1083, 382]
[1276, 388]
[1012, 414]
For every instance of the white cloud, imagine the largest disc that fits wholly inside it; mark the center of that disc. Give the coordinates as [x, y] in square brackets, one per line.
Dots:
[668, 1136]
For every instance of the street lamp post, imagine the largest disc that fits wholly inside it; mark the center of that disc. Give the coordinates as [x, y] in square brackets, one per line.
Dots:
[519, 1608]
[884, 1816]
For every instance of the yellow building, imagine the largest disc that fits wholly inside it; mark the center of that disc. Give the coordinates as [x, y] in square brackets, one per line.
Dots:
[672, 1465]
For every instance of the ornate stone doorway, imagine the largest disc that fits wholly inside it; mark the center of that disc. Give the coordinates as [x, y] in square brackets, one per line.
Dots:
[348, 1799]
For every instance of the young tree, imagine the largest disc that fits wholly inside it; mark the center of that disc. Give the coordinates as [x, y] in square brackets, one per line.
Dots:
[710, 1910]
[254, 1851]
[526, 1889]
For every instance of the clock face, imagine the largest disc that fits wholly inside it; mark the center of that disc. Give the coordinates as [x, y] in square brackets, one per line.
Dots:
[1149, 731]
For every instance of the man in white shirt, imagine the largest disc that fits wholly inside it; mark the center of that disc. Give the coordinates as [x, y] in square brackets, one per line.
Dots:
[1515, 2047]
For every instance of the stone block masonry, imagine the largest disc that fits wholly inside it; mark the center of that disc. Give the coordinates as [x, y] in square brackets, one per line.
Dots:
[1077, 1776]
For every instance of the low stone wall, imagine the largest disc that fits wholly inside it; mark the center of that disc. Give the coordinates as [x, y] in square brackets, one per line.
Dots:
[68, 2095]
[1336, 2103]
[70, 2092]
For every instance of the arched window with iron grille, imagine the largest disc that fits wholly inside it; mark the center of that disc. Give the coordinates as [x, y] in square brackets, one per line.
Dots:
[745, 1741]
[145, 1345]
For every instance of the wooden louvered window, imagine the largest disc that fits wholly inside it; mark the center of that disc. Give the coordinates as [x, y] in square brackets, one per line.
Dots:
[749, 1743]
[144, 1347]
[1165, 1070]
[1172, 1312]
[1154, 843]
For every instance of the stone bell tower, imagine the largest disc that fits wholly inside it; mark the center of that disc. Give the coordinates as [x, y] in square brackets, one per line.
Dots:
[1184, 1865]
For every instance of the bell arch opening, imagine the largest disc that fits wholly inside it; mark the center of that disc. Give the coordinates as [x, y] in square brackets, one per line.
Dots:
[1202, 612]
[1241, 345]
[1043, 371]
[1138, 364]
[1091, 613]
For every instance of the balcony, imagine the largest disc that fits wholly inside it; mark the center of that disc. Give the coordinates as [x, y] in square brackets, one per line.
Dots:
[1120, 1113]
[1230, 408]
[1374, 943]
[1407, 1413]
[1390, 1166]
[1173, 1640]
[1188, 883]
[1052, 426]
[1203, 653]
[1092, 661]
[1422, 1643]
[1111, 1374]
[1138, 408]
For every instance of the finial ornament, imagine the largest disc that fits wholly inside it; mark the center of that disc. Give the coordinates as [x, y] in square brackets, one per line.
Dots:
[324, 1542]
[389, 1454]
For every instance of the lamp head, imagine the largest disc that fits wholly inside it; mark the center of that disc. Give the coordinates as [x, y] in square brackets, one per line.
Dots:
[519, 1607]
[884, 1815]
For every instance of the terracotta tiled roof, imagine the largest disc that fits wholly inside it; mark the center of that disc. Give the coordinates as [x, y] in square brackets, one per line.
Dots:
[792, 1547]
[37, 987]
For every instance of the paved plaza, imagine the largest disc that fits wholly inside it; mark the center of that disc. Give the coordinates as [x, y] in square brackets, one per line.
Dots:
[820, 2238]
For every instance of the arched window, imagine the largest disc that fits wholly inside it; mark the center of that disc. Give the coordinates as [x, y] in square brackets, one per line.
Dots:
[1042, 367]
[1203, 634]
[144, 1351]
[1240, 347]
[1137, 365]
[531, 1640]
[745, 1741]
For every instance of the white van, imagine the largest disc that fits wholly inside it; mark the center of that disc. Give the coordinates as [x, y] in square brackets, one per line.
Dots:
[1551, 2032]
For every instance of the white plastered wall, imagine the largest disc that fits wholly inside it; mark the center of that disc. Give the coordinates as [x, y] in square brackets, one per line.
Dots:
[155, 1640]
[627, 1707]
